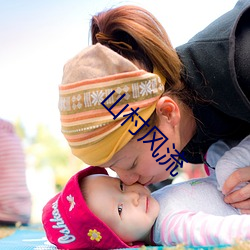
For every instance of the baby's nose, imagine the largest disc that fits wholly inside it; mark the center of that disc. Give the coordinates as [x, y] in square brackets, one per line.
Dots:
[133, 197]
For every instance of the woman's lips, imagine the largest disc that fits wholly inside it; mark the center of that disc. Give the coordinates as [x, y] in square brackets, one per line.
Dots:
[148, 182]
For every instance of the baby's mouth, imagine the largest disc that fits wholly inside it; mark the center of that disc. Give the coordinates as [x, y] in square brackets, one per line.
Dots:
[147, 203]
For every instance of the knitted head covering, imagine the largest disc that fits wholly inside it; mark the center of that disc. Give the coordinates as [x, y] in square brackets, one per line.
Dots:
[97, 76]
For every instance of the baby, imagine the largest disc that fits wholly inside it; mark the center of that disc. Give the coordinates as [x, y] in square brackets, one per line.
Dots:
[96, 211]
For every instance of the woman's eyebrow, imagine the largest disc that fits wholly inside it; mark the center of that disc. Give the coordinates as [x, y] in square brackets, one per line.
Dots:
[114, 163]
[133, 166]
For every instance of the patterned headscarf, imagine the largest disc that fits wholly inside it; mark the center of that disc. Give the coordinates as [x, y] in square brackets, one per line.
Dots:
[93, 81]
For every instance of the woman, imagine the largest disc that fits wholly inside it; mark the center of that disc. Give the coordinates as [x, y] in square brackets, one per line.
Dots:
[188, 117]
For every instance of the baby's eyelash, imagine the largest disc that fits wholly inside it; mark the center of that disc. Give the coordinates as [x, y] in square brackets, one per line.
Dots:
[120, 206]
[121, 185]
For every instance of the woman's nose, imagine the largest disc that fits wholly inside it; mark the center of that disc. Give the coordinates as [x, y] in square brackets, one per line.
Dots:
[126, 177]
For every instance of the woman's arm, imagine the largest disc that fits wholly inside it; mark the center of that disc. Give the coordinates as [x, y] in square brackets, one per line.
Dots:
[237, 157]
[233, 175]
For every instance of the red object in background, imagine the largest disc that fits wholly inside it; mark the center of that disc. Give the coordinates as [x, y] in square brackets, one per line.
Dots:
[194, 170]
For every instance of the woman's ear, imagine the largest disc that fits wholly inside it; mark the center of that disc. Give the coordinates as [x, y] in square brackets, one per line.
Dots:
[167, 110]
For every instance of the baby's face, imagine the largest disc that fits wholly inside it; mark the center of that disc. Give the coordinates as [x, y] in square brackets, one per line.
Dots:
[130, 211]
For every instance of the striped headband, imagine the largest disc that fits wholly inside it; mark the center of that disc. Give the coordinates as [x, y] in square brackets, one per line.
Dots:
[99, 91]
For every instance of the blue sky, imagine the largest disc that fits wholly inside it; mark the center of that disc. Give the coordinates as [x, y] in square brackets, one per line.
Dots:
[38, 37]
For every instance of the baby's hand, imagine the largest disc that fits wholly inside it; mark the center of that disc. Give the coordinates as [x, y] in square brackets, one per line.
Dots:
[240, 198]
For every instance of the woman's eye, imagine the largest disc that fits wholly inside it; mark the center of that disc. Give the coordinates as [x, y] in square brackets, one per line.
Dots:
[120, 206]
[121, 186]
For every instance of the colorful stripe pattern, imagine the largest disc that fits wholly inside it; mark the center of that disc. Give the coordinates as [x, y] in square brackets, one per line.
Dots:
[201, 229]
[86, 121]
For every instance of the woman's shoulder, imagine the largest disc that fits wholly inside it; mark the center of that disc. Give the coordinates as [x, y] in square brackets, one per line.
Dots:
[209, 65]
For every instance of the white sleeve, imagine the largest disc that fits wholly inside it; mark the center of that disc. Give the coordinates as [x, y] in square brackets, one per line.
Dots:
[214, 153]
[237, 157]
[201, 229]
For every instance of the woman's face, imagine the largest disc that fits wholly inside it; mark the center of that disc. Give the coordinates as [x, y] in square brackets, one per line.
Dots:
[135, 162]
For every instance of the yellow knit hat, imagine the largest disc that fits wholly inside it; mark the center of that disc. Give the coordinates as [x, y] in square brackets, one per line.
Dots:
[92, 130]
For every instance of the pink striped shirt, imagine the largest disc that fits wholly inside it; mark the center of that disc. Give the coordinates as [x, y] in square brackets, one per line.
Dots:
[194, 212]
[15, 200]
[202, 229]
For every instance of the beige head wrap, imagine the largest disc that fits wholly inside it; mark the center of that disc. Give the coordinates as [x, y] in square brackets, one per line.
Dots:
[92, 133]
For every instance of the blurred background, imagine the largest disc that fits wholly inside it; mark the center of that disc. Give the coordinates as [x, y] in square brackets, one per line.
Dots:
[36, 39]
